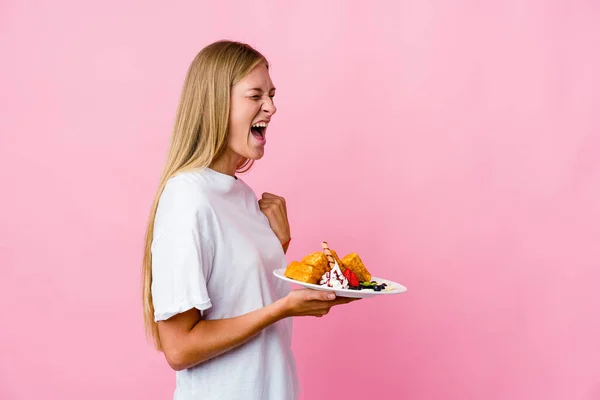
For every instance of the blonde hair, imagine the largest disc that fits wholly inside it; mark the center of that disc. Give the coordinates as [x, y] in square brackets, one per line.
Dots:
[199, 135]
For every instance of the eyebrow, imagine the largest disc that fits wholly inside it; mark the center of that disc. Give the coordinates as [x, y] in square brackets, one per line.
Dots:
[260, 90]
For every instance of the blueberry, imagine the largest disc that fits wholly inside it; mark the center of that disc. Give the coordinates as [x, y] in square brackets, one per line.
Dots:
[377, 288]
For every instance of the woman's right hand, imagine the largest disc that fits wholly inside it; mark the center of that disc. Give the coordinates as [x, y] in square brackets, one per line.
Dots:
[308, 302]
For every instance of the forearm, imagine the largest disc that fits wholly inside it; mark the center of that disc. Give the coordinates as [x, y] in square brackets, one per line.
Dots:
[210, 338]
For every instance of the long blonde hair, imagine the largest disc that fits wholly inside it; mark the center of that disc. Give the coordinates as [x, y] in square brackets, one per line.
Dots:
[199, 135]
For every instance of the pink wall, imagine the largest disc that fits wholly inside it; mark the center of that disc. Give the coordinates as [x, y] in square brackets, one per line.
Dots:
[463, 136]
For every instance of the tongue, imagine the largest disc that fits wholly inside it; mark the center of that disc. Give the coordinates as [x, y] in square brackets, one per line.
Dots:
[256, 132]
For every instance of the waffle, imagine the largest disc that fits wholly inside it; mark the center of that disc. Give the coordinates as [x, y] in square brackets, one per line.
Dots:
[309, 270]
[354, 262]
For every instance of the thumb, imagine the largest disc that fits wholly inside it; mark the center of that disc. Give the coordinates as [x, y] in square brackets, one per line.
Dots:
[324, 296]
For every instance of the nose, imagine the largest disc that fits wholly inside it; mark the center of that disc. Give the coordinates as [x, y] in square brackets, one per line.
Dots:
[269, 106]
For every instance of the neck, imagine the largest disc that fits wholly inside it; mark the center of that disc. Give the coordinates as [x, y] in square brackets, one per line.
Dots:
[226, 164]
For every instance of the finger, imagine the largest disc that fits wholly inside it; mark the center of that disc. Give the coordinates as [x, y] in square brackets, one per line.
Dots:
[268, 203]
[265, 205]
[281, 206]
[321, 313]
[274, 202]
[271, 196]
[268, 210]
[273, 207]
[322, 296]
[274, 198]
[343, 300]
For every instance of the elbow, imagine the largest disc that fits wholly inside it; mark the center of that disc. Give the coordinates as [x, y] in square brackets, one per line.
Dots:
[179, 359]
[176, 359]
[177, 366]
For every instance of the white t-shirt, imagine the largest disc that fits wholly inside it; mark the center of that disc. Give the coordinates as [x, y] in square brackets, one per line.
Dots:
[214, 250]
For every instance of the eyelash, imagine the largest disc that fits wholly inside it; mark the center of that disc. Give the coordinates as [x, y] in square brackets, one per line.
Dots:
[259, 97]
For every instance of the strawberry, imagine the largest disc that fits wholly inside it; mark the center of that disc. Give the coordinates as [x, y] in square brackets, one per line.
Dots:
[352, 278]
[347, 273]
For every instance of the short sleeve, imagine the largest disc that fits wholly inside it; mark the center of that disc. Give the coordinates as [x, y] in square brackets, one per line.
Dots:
[182, 259]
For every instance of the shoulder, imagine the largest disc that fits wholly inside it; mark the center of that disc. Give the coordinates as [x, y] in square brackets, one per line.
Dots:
[185, 198]
[187, 189]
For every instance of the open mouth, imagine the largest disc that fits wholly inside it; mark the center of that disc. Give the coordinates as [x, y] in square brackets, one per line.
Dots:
[258, 130]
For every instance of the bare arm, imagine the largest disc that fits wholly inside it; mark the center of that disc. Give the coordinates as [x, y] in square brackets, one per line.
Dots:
[188, 340]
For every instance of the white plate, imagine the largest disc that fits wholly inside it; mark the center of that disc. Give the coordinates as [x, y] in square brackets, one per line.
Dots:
[393, 287]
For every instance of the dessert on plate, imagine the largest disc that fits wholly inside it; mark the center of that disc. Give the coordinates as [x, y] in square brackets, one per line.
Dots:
[325, 268]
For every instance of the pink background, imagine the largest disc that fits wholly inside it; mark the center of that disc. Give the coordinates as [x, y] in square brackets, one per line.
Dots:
[463, 138]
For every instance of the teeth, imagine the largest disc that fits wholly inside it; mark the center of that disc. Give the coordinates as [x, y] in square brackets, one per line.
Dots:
[260, 125]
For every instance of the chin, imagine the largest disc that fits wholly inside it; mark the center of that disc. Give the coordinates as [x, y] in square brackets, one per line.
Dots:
[254, 152]
[256, 155]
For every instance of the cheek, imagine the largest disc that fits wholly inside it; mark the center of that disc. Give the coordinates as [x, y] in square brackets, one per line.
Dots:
[238, 132]
[237, 123]
[242, 116]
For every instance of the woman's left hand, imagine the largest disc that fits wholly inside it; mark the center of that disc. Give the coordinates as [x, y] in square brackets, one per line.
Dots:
[276, 212]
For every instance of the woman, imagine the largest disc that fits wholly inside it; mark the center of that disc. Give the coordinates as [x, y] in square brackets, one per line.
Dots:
[211, 302]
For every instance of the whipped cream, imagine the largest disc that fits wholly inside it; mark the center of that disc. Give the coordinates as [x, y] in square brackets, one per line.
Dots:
[334, 278]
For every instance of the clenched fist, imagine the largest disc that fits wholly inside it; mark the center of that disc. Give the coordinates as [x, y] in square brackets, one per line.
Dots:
[276, 212]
